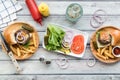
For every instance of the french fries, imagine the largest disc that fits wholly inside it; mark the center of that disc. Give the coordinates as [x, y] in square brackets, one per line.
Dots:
[98, 50]
[105, 53]
[18, 52]
[22, 51]
[110, 49]
[102, 51]
[101, 56]
[108, 54]
[13, 49]
[34, 41]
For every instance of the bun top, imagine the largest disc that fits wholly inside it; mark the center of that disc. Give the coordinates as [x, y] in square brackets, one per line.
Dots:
[18, 33]
[9, 33]
[115, 37]
[115, 33]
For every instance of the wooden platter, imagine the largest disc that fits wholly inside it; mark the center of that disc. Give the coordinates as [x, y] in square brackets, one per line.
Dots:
[18, 25]
[93, 39]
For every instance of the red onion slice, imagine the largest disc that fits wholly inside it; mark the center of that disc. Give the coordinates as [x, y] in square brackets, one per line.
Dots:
[68, 36]
[100, 16]
[22, 37]
[62, 62]
[67, 39]
[91, 62]
[94, 23]
[64, 66]
[98, 19]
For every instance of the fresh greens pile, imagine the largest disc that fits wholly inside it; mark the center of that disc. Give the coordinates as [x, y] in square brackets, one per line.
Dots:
[54, 37]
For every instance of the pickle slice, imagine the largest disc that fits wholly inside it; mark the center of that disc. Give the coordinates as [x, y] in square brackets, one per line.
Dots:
[28, 28]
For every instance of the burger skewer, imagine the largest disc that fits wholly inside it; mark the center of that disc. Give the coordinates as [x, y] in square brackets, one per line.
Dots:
[9, 52]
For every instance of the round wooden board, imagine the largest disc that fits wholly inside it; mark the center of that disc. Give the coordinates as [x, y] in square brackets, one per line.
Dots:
[18, 26]
[93, 39]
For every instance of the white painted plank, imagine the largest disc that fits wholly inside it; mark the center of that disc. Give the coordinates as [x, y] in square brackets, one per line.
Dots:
[59, 77]
[17, 77]
[79, 77]
[59, 8]
[82, 24]
[75, 67]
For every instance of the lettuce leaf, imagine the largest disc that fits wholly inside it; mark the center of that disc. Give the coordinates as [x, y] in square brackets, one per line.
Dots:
[56, 35]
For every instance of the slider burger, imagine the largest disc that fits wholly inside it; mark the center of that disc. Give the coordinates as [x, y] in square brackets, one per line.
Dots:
[108, 37]
[22, 36]
[14, 35]
[103, 38]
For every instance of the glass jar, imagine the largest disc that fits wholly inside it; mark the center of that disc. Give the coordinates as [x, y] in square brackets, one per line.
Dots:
[74, 12]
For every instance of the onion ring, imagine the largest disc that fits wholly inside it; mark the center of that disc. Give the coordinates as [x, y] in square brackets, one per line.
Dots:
[95, 24]
[64, 66]
[22, 38]
[19, 34]
[68, 36]
[98, 17]
[91, 62]
[62, 62]
[97, 20]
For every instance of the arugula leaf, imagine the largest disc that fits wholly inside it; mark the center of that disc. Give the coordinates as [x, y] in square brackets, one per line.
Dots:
[27, 44]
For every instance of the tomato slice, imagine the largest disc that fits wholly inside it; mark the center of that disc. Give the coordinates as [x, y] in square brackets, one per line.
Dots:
[77, 46]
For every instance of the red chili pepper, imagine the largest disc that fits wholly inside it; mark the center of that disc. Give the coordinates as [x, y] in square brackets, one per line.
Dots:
[34, 10]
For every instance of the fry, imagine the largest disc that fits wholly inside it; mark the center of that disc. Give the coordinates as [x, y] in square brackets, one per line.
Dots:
[34, 41]
[110, 49]
[30, 51]
[31, 43]
[106, 57]
[18, 52]
[102, 51]
[98, 50]
[32, 48]
[109, 55]
[25, 55]
[101, 56]
[27, 50]
[13, 49]
[106, 51]
[24, 52]
[19, 46]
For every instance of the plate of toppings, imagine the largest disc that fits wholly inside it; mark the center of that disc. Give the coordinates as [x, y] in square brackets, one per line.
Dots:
[65, 40]
[104, 43]
[22, 38]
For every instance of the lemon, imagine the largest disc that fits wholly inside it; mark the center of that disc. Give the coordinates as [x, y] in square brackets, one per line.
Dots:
[43, 9]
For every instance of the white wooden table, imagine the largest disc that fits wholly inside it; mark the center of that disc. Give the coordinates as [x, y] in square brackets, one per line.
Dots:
[33, 69]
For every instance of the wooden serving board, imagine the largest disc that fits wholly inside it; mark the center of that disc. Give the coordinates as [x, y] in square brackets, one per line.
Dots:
[94, 51]
[18, 26]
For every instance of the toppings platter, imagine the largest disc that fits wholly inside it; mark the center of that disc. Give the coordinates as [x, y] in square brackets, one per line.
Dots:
[102, 43]
[65, 40]
[22, 38]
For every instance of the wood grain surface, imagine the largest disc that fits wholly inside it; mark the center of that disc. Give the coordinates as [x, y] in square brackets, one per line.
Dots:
[78, 69]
